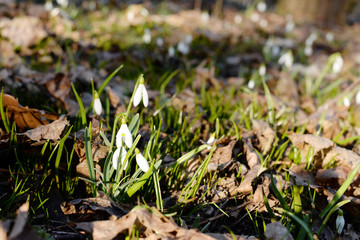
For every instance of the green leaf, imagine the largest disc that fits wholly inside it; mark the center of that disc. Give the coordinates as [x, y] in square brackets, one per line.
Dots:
[81, 106]
[138, 184]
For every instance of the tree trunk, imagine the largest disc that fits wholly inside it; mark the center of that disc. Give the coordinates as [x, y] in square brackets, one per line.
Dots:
[321, 12]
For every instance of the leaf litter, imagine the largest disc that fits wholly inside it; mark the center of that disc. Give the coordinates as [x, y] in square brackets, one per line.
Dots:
[315, 145]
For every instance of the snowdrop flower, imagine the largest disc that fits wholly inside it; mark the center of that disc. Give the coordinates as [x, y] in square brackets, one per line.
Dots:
[311, 39]
[346, 101]
[63, 3]
[48, 5]
[159, 42]
[117, 155]
[357, 98]
[262, 70]
[340, 222]
[130, 16]
[286, 59]
[261, 7]
[171, 51]
[141, 94]
[337, 64]
[141, 161]
[329, 37]
[124, 135]
[205, 17]
[290, 25]
[183, 48]
[147, 36]
[97, 104]
[263, 23]
[55, 11]
[238, 19]
[255, 17]
[211, 139]
[251, 84]
[188, 39]
[308, 50]
[144, 12]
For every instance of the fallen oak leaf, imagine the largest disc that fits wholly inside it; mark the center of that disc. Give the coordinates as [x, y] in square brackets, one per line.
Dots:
[23, 116]
[50, 131]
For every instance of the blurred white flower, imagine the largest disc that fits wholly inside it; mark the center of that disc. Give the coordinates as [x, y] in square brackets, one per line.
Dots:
[275, 50]
[262, 70]
[311, 39]
[340, 222]
[130, 16]
[286, 59]
[289, 27]
[183, 48]
[63, 3]
[346, 102]
[337, 64]
[159, 42]
[261, 7]
[238, 19]
[205, 17]
[329, 36]
[308, 50]
[147, 36]
[357, 98]
[55, 11]
[210, 141]
[116, 156]
[97, 104]
[188, 39]
[48, 5]
[141, 161]
[251, 84]
[171, 51]
[263, 23]
[255, 17]
[124, 135]
[144, 12]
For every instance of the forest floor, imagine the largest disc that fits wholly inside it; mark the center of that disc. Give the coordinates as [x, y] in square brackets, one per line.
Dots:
[251, 129]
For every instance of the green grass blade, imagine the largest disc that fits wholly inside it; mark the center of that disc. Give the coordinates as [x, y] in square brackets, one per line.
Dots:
[89, 158]
[190, 154]
[81, 106]
[4, 118]
[341, 190]
[138, 184]
[333, 209]
[302, 224]
[278, 195]
[59, 155]
[107, 80]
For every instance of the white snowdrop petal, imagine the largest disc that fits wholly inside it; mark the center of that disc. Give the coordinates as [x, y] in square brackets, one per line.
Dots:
[141, 161]
[137, 96]
[340, 223]
[97, 106]
[127, 137]
[115, 158]
[123, 155]
[118, 139]
[357, 98]
[145, 96]
[251, 84]
[346, 102]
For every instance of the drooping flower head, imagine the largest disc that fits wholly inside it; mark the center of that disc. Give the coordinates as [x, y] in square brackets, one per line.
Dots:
[337, 64]
[124, 135]
[116, 156]
[141, 93]
[141, 161]
[97, 104]
[340, 222]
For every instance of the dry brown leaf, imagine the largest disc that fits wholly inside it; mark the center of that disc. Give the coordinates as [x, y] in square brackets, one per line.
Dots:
[22, 31]
[333, 177]
[151, 224]
[251, 156]
[59, 87]
[50, 131]
[277, 231]
[301, 176]
[286, 88]
[20, 229]
[264, 133]
[91, 209]
[82, 170]
[347, 159]
[23, 116]
[318, 145]
[245, 186]
[221, 157]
